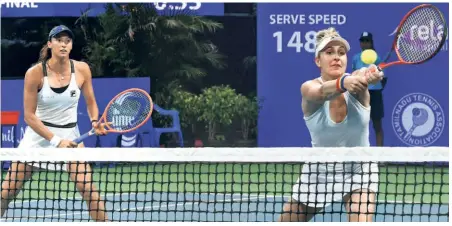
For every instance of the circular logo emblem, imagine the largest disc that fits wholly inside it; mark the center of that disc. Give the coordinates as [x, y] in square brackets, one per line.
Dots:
[418, 119]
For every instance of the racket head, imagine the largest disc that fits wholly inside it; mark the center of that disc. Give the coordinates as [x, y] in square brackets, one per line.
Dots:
[413, 46]
[128, 111]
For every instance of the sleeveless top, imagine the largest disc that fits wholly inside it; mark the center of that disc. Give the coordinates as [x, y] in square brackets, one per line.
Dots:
[353, 131]
[57, 107]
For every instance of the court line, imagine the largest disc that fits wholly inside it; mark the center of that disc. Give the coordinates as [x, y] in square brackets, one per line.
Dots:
[135, 208]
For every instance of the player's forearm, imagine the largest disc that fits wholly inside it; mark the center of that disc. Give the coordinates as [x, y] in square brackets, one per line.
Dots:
[36, 124]
[329, 90]
[93, 111]
[363, 97]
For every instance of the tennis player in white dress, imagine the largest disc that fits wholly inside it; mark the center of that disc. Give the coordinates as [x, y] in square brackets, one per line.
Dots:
[336, 110]
[52, 89]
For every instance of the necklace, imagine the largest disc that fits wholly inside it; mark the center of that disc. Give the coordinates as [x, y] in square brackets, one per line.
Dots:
[60, 74]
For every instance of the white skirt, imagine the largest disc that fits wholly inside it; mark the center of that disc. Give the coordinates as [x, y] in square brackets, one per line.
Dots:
[33, 140]
[322, 184]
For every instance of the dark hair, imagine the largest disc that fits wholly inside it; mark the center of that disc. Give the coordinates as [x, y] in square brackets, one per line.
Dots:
[44, 53]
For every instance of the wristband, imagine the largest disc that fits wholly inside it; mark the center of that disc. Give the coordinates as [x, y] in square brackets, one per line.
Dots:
[342, 82]
[94, 120]
[338, 84]
[55, 141]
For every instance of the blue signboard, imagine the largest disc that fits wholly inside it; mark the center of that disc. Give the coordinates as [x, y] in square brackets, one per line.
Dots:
[286, 41]
[30, 9]
[104, 88]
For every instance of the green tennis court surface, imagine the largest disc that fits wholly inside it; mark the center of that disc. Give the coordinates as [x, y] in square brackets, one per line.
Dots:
[222, 192]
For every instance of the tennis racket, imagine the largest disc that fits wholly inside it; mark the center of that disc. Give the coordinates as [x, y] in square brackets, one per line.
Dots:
[413, 44]
[126, 112]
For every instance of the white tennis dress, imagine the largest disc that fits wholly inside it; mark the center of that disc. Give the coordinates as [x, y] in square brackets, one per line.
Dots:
[324, 183]
[57, 109]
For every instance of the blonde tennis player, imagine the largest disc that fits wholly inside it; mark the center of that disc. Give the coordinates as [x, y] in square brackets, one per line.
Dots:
[337, 113]
[51, 94]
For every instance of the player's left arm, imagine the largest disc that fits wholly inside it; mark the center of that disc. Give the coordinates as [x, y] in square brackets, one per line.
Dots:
[372, 78]
[364, 96]
[88, 92]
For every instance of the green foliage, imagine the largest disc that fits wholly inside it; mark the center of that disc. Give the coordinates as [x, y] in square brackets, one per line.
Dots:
[188, 105]
[218, 106]
[247, 112]
[132, 39]
[249, 62]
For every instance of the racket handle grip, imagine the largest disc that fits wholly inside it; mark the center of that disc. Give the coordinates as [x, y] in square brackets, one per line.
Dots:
[373, 69]
[84, 136]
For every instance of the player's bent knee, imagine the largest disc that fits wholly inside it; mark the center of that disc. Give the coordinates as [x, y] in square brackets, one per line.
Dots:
[7, 195]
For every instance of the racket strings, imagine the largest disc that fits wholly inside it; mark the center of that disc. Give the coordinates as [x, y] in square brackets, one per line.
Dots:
[129, 110]
[420, 35]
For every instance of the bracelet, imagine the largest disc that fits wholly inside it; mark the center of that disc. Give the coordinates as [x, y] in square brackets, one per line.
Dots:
[94, 120]
[55, 141]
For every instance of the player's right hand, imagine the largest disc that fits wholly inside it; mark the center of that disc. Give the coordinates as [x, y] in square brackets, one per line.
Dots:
[374, 75]
[355, 84]
[67, 144]
[99, 128]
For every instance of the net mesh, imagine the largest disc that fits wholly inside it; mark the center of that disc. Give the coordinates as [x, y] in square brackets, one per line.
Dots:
[129, 110]
[421, 34]
[227, 184]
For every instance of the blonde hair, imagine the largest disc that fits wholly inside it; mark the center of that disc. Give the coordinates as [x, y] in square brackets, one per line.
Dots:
[325, 33]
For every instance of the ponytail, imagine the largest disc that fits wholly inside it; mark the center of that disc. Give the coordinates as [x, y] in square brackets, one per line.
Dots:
[44, 53]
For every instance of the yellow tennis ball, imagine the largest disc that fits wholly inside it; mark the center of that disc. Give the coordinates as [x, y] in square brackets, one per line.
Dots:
[369, 56]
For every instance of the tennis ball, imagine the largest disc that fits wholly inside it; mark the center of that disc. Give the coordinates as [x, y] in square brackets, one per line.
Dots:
[369, 56]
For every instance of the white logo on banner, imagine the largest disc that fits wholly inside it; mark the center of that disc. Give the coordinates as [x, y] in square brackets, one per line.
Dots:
[418, 119]
[9, 133]
[18, 5]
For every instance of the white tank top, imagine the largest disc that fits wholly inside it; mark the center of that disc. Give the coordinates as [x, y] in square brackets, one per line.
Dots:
[58, 108]
[353, 131]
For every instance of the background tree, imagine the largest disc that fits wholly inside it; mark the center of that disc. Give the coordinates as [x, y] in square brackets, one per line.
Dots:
[134, 40]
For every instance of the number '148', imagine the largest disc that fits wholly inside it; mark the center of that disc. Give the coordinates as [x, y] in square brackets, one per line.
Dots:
[296, 41]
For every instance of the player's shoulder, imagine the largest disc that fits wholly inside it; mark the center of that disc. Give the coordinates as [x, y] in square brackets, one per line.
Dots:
[80, 65]
[309, 83]
[36, 69]
[315, 81]
[34, 74]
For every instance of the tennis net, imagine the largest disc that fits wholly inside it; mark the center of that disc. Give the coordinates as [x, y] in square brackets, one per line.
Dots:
[228, 184]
